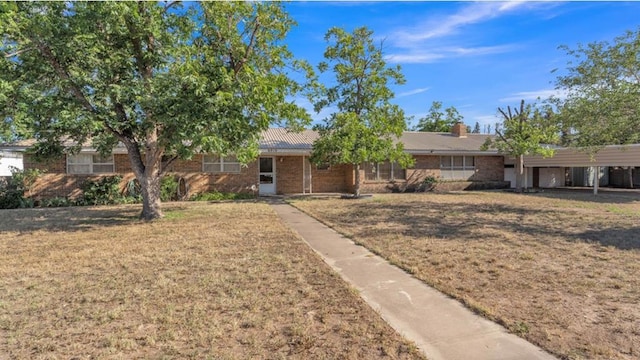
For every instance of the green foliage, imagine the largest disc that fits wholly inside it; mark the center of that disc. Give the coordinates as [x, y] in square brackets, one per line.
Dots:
[219, 196]
[103, 191]
[57, 202]
[520, 328]
[13, 189]
[476, 128]
[524, 131]
[132, 190]
[602, 106]
[430, 180]
[169, 188]
[437, 121]
[366, 125]
[161, 79]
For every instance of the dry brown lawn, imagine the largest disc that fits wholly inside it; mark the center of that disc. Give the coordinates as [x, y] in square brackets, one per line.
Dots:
[223, 281]
[560, 269]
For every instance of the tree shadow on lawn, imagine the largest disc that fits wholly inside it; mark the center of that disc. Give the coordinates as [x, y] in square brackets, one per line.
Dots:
[606, 195]
[77, 218]
[467, 222]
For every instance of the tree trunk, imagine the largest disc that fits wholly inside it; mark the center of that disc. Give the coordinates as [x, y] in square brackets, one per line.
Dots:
[630, 177]
[519, 173]
[150, 185]
[356, 189]
[149, 174]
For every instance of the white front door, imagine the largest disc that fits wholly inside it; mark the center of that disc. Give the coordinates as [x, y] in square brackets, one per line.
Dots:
[267, 176]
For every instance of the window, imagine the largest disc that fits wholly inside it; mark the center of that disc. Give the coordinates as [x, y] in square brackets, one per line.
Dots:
[384, 171]
[220, 164]
[90, 164]
[457, 167]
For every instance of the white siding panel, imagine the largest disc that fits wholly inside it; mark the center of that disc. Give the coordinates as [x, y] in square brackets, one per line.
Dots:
[8, 160]
[510, 176]
[551, 177]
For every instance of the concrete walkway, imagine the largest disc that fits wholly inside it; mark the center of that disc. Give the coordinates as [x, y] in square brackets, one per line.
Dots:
[440, 326]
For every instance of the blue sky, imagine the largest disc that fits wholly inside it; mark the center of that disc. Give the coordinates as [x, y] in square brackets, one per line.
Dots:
[476, 56]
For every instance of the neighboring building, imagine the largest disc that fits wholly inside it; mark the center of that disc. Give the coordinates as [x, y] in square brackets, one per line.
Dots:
[284, 167]
[8, 160]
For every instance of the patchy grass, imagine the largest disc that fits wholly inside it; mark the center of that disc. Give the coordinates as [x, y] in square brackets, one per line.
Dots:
[557, 268]
[223, 281]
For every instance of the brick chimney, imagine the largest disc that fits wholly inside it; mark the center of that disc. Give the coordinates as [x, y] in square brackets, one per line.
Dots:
[459, 129]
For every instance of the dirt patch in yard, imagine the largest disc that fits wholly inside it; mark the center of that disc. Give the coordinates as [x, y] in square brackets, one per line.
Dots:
[223, 281]
[559, 269]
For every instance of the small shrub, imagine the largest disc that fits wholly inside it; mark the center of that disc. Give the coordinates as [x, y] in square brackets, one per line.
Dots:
[169, 188]
[12, 190]
[133, 192]
[429, 183]
[103, 191]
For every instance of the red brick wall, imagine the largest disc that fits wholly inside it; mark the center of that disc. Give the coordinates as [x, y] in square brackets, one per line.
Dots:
[289, 174]
[55, 182]
[424, 166]
[489, 168]
[331, 180]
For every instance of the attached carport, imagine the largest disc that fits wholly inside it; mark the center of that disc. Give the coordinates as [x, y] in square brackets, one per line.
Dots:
[612, 155]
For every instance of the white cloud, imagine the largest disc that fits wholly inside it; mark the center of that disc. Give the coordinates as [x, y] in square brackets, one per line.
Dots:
[447, 52]
[437, 31]
[415, 58]
[439, 26]
[534, 95]
[412, 92]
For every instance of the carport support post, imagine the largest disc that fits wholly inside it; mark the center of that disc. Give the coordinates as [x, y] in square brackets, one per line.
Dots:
[596, 179]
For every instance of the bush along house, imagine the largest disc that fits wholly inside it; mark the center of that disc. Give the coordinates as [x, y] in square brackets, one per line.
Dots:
[283, 167]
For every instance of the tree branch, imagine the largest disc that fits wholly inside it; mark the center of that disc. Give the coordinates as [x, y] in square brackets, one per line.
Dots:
[64, 74]
[10, 55]
[165, 165]
[249, 48]
[169, 5]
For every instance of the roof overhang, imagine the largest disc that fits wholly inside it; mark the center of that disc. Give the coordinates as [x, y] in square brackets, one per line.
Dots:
[453, 152]
[285, 152]
[613, 155]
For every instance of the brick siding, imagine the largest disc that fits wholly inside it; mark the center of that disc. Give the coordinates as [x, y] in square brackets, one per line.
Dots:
[488, 169]
[289, 176]
[55, 182]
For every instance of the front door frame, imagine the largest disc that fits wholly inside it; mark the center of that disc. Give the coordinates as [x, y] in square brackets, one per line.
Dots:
[267, 189]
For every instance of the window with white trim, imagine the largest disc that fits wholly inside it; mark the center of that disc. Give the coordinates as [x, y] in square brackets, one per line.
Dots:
[384, 171]
[220, 164]
[457, 167]
[90, 164]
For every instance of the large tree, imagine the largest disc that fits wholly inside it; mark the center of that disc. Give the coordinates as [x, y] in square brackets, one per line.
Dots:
[165, 81]
[366, 126]
[602, 85]
[438, 121]
[526, 130]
